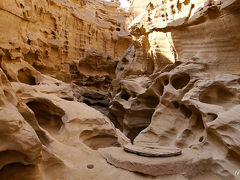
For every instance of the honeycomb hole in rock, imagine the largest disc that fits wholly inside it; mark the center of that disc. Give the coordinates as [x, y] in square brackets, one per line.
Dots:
[114, 120]
[213, 12]
[218, 95]
[180, 81]
[29, 41]
[90, 166]
[18, 171]
[98, 141]
[166, 82]
[125, 95]
[68, 98]
[199, 122]
[152, 101]
[187, 133]
[176, 104]
[201, 139]
[211, 117]
[48, 115]
[186, 111]
[25, 76]
[179, 6]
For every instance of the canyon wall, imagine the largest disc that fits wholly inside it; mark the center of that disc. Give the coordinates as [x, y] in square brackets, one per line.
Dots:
[52, 35]
[77, 42]
[172, 84]
[51, 54]
[179, 30]
[178, 86]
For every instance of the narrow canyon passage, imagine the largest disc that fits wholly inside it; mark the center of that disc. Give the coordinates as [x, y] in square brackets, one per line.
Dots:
[128, 89]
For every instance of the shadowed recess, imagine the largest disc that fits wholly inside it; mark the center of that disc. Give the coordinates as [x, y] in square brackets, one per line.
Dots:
[48, 115]
[96, 141]
[25, 76]
[180, 81]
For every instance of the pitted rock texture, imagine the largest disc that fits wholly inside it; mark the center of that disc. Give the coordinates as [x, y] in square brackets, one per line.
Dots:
[182, 106]
[168, 31]
[19, 141]
[51, 35]
[65, 40]
[55, 53]
[46, 134]
[191, 104]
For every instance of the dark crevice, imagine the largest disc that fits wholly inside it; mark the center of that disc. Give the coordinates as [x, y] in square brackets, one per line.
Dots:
[187, 112]
[180, 81]
[125, 95]
[134, 132]
[176, 104]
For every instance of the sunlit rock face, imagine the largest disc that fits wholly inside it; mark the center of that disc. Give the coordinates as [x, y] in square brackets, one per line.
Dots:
[50, 35]
[180, 30]
[45, 132]
[56, 37]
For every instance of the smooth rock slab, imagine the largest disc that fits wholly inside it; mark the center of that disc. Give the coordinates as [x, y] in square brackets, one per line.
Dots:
[189, 164]
[152, 151]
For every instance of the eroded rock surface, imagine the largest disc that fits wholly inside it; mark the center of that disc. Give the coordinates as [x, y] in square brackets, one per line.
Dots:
[56, 36]
[45, 132]
[174, 83]
[191, 104]
[184, 107]
[167, 31]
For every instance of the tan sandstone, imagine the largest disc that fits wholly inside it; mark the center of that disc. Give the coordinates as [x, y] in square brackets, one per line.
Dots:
[82, 79]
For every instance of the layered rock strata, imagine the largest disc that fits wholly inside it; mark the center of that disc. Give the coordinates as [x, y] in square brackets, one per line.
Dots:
[179, 30]
[56, 53]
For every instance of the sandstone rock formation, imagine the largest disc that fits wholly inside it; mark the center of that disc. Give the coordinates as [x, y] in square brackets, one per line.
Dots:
[185, 108]
[178, 30]
[191, 104]
[45, 134]
[53, 36]
[173, 84]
